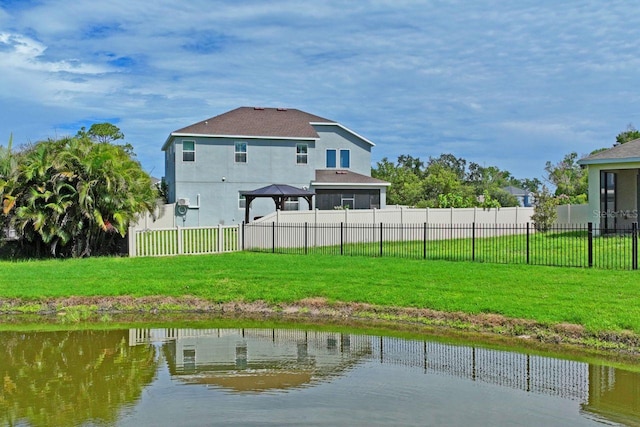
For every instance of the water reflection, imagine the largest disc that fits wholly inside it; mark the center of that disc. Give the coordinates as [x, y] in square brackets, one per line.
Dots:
[256, 360]
[89, 377]
[71, 377]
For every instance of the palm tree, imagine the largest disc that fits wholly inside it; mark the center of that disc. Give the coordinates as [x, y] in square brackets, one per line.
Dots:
[76, 197]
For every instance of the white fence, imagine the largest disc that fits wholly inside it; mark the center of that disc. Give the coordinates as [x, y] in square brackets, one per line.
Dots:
[401, 223]
[184, 241]
[402, 215]
[574, 214]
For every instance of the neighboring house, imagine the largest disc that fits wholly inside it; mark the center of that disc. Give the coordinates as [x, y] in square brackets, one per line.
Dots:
[614, 184]
[208, 165]
[525, 198]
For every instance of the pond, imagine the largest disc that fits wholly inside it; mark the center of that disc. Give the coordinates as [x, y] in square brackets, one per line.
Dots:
[262, 377]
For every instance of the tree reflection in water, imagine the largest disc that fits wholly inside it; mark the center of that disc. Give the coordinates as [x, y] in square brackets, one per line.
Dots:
[70, 377]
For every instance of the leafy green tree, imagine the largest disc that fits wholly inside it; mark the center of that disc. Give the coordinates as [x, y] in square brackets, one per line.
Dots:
[75, 197]
[102, 132]
[532, 185]
[445, 181]
[545, 212]
[628, 135]
[457, 165]
[569, 178]
[441, 179]
[406, 187]
[500, 197]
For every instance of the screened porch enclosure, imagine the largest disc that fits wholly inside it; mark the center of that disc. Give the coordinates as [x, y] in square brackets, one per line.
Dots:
[347, 199]
[619, 199]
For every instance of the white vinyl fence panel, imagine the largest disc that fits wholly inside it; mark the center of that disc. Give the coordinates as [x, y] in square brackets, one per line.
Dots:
[184, 241]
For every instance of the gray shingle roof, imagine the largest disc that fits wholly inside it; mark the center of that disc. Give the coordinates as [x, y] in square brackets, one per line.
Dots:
[627, 152]
[257, 122]
[332, 176]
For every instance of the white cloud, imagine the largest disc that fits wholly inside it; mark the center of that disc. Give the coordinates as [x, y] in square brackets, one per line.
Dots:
[416, 77]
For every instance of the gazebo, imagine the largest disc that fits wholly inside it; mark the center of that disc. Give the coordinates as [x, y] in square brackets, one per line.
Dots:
[279, 193]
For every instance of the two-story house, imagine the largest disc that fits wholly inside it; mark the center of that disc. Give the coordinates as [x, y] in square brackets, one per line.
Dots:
[209, 164]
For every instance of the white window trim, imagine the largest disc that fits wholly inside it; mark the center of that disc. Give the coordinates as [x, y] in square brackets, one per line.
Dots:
[245, 152]
[306, 155]
[189, 151]
[339, 159]
[242, 201]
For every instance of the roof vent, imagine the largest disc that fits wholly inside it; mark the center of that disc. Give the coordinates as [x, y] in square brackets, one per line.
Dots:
[341, 172]
[282, 109]
[258, 108]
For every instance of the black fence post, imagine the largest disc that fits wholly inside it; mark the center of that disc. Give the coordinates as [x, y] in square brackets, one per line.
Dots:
[473, 241]
[528, 242]
[273, 237]
[341, 238]
[381, 236]
[305, 238]
[634, 246]
[243, 234]
[424, 242]
[590, 243]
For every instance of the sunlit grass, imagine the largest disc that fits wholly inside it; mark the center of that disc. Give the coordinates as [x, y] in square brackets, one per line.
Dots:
[600, 300]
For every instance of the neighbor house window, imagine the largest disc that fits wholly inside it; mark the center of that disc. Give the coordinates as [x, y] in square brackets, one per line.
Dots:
[291, 204]
[241, 152]
[345, 158]
[302, 153]
[242, 201]
[331, 158]
[188, 151]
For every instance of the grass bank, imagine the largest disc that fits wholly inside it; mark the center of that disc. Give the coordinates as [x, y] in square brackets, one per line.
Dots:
[586, 304]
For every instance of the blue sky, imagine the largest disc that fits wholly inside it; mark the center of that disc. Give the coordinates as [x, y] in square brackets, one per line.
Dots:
[503, 83]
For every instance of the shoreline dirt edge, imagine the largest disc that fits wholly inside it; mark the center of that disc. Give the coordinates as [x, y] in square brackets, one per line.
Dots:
[624, 343]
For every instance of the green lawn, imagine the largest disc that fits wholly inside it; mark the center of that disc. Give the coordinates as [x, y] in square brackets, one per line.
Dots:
[563, 248]
[601, 300]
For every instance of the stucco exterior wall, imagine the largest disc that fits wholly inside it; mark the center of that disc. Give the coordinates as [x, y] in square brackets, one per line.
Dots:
[334, 137]
[626, 197]
[213, 181]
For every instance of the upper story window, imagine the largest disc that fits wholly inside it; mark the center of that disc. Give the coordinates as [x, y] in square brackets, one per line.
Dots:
[302, 154]
[344, 159]
[241, 152]
[188, 151]
[331, 158]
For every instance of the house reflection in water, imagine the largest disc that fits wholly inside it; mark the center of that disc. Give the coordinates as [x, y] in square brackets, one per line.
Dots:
[256, 360]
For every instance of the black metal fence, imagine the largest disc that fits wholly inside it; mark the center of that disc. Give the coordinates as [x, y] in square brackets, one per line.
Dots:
[580, 245]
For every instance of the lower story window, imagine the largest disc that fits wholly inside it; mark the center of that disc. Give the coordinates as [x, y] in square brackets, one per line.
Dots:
[291, 204]
[242, 201]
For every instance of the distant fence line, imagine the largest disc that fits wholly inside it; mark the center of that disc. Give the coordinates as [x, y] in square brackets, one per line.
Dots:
[562, 245]
[403, 215]
[567, 214]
